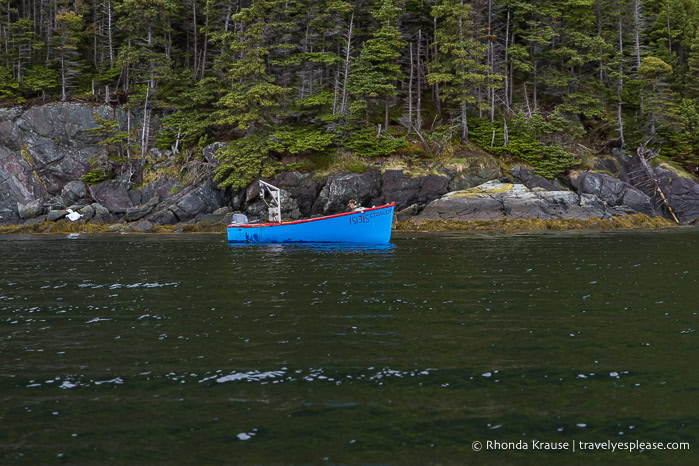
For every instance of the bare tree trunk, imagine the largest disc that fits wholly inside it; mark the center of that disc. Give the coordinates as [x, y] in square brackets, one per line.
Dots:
[386, 114]
[348, 57]
[410, 92]
[206, 43]
[195, 62]
[620, 84]
[637, 23]
[418, 109]
[437, 98]
[144, 131]
[507, 74]
[464, 124]
[110, 44]
[491, 64]
[64, 80]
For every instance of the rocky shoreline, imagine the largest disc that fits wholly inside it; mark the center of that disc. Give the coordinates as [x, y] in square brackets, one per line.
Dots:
[46, 150]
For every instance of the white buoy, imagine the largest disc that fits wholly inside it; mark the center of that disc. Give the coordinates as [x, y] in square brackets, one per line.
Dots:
[73, 216]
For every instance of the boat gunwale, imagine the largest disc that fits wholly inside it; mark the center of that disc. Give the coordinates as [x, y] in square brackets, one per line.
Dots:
[297, 222]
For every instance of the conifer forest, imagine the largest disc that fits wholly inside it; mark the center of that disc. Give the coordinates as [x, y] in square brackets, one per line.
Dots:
[281, 82]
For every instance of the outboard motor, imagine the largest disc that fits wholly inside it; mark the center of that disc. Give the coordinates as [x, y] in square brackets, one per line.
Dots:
[239, 219]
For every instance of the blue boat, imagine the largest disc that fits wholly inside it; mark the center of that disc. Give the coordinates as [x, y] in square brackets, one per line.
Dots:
[367, 226]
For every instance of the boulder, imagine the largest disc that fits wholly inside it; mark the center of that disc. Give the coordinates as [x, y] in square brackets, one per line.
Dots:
[57, 138]
[495, 201]
[473, 176]
[56, 215]
[682, 194]
[527, 177]
[163, 187]
[188, 203]
[74, 191]
[36, 220]
[607, 164]
[142, 226]
[30, 210]
[213, 219]
[341, 188]
[407, 213]
[102, 214]
[112, 195]
[88, 212]
[405, 191]
[209, 152]
[140, 211]
[614, 192]
[302, 187]
[18, 182]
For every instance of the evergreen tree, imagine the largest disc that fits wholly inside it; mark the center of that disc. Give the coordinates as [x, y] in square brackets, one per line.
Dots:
[376, 70]
[460, 70]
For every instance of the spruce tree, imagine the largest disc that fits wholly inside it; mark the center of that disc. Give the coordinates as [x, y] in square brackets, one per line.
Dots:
[460, 70]
[376, 70]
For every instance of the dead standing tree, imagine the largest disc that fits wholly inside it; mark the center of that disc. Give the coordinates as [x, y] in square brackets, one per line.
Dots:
[644, 177]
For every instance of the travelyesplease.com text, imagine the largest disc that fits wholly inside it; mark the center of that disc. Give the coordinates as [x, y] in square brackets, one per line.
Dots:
[572, 445]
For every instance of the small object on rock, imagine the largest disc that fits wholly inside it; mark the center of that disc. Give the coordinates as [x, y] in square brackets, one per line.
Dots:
[73, 216]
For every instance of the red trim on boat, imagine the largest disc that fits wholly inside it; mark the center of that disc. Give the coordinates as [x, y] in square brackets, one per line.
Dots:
[296, 222]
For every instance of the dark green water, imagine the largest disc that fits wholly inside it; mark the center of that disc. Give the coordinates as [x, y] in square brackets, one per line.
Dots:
[183, 349]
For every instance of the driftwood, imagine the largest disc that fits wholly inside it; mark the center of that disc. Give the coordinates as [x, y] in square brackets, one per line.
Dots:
[645, 177]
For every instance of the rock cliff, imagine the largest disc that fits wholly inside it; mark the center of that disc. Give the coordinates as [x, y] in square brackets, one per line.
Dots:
[45, 150]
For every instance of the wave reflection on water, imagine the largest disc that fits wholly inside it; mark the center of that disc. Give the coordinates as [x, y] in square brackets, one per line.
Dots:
[398, 354]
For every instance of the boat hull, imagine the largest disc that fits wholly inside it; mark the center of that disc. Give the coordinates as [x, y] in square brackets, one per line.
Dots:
[369, 226]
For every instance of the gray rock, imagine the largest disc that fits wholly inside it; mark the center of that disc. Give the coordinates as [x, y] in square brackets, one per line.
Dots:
[88, 212]
[209, 152]
[495, 201]
[102, 214]
[188, 203]
[30, 210]
[136, 196]
[614, 192]
[405, 191]
[222, 210]
[74, 191]
[473, 176]
[142, 226]
[56, 215]
[18, 182]
[163, 187]
[607, 164]
[340, 189]
[163, 217]
[407, 213]
[213, 219]
[527, 177]
[36, 220]
[112, 195]
[302, 187]
[682, 194]
[140, 211]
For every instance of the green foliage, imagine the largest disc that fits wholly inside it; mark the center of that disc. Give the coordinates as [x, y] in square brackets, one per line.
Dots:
[547, 160]
[9, 87]
[96, 175]
[363, 142]
[244, 160]
[299, 140]
[111, 135]
[41, 79]
[249, 157]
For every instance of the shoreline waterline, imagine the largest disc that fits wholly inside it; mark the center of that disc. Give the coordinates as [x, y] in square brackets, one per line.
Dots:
[630, 222]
